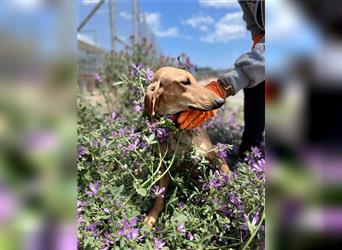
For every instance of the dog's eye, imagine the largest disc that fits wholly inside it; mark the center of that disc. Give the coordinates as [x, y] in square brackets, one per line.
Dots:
[187, 82]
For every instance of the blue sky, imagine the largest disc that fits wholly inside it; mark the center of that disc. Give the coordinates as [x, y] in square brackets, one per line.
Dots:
[212, 33]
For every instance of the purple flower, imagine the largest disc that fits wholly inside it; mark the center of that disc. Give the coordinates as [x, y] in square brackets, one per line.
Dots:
[189, 236]
[119, 204]
[106, 210]
[132, 147]
[133, 221]
[157, 191]
[236, 201]
[158, 244]
[93, 189]
[79, 220]
[91, 227]
[221, 150]
[140, 66]
[255, 219]
[106, 242]
[259, 166]
[137, 107]
[128, 230]
[119, 133]
[181, 228]
[161, 134]
[181, 204]
[41, 141]
[94, 143]
[221, 154]
[225, 210]
[114, 116]
[215, 183]
[151, 127]
[218, 180]
[133, 233]
[149, 75]
[255, 151]
[81, 151]
[205, 187]
[9, 205]
[80, 204]
[98, 78]
[134, 69]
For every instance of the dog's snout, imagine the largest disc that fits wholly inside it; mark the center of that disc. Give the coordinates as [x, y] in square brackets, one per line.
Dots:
[219, 102]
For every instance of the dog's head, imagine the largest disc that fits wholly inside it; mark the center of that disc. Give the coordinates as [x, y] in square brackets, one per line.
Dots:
[174, 90]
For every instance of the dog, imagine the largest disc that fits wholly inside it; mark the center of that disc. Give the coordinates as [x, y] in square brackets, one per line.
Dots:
[174, 90]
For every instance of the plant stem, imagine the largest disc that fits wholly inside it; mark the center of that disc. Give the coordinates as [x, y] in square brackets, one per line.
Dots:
[255, 232]
[170, 165]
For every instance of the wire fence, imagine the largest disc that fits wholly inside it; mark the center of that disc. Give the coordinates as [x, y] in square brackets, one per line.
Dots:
[105, 27]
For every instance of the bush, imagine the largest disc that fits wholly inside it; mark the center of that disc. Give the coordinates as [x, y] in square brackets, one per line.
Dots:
[118, 173]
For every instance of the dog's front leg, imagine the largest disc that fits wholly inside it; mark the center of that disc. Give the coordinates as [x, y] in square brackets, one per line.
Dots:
[223, 167]
[158, 206]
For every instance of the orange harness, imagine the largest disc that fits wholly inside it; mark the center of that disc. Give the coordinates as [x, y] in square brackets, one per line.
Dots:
[189, 119]
[257, 39]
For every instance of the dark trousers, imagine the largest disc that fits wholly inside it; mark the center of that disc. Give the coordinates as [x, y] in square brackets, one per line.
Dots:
[254, 116]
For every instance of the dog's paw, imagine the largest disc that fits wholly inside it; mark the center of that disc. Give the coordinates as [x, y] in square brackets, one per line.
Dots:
[150, 220]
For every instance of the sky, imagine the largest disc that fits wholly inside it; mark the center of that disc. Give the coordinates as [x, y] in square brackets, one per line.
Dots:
[211, 33]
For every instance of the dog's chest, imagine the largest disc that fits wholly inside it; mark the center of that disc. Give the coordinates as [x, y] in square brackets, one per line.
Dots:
[183, 143]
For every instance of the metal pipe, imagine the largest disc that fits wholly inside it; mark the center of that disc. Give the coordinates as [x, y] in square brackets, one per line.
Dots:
[91, 13]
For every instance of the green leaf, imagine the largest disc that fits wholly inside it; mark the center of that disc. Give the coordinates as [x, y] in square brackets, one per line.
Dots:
[181, 218]
[139, 189]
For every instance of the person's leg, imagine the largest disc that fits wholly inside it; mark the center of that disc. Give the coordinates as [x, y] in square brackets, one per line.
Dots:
[254, 116]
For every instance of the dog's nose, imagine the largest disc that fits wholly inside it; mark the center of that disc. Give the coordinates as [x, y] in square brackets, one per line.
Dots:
[219, 102]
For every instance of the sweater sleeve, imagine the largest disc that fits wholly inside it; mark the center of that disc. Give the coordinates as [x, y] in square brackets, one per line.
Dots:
[249, 69]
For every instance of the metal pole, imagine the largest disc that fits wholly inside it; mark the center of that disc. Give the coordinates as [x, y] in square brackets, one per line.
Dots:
[135, 14]
[112, 22]
[91, 13]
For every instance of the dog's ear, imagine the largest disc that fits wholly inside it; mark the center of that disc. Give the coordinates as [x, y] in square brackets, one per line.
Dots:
[151, 97]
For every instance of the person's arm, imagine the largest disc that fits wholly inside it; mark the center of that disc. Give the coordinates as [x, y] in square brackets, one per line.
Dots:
[249, 68]
[249, 71]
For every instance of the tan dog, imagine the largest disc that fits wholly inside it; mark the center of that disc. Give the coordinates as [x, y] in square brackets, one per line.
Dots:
[174, 90]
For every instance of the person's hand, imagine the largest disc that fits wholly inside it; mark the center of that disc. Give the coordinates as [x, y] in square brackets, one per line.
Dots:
[191, 119]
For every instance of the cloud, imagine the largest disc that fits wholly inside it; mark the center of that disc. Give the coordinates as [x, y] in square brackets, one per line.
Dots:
[88, 2]
[200, 22]
[26, 5]
[229, 27]
[125, 15]
[153, 20]
[281, 17]
[231, 4]
[85, 39]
